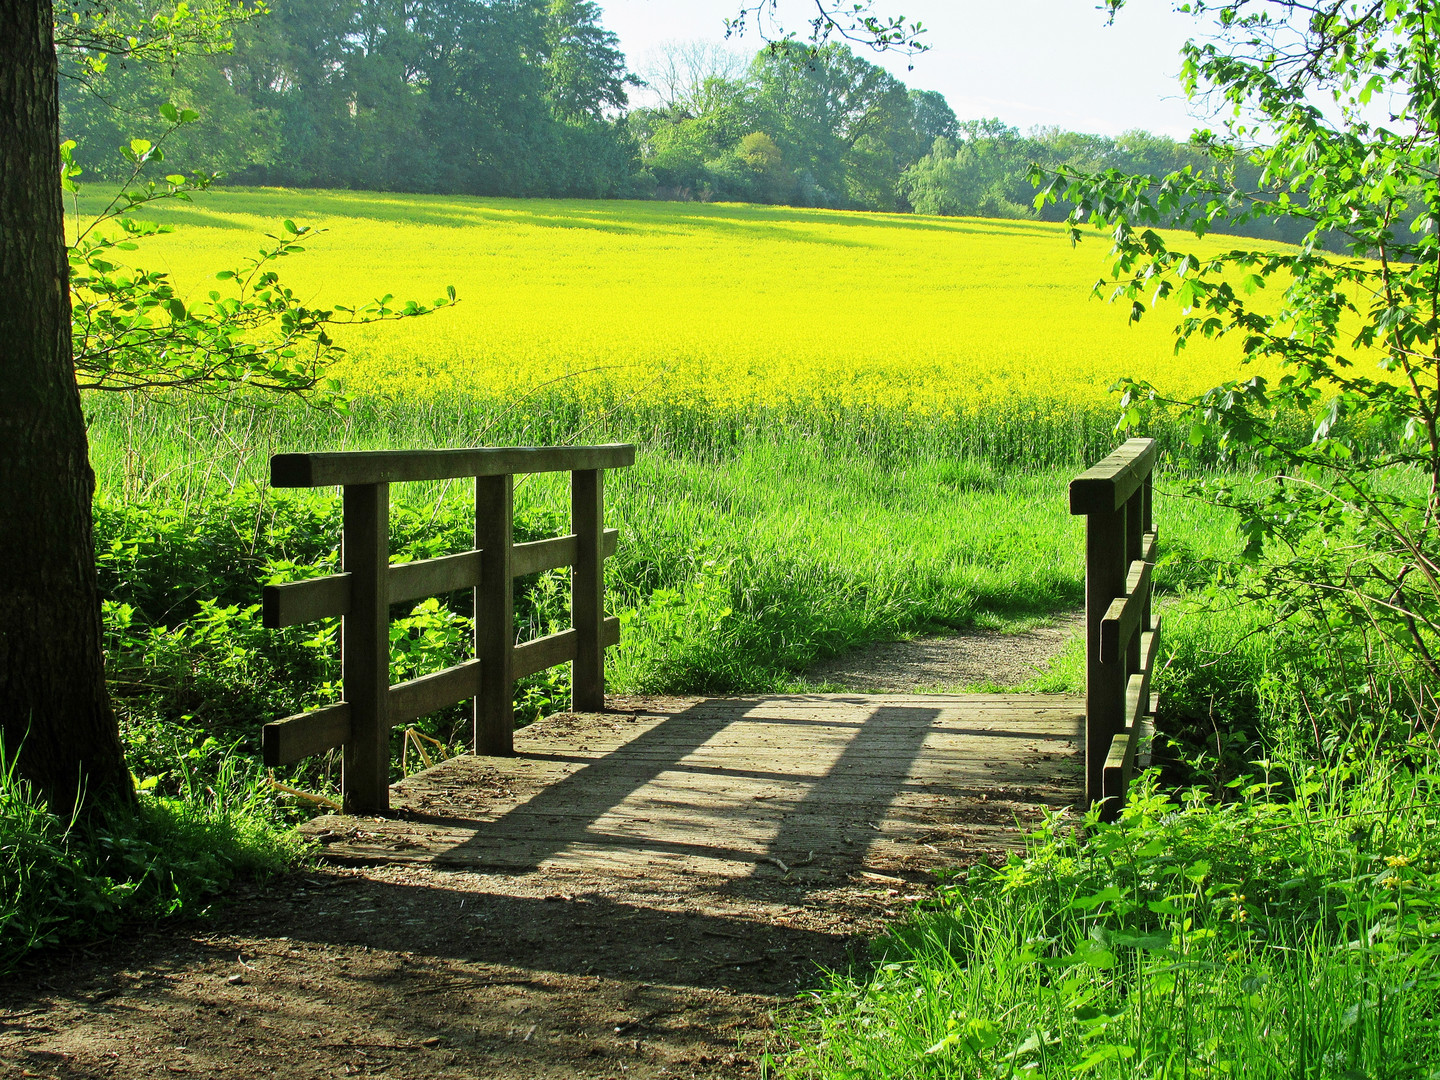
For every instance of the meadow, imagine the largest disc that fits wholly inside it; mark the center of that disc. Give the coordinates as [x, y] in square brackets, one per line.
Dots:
[852, 427]
[702, 306]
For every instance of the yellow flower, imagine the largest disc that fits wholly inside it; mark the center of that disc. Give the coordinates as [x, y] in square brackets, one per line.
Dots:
[725, 307]
[1397, 861]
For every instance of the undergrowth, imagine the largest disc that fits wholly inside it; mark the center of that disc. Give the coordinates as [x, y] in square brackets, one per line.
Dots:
[1267, 935]
[69, 878]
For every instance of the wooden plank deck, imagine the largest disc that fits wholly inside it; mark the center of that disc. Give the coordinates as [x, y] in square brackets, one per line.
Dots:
[811, 786]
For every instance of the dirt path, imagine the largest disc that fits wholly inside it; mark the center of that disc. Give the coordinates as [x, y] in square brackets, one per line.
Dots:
[947, 664]
[671, 965]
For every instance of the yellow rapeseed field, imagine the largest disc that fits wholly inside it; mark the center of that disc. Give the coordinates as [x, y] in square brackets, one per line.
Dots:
[725, 305]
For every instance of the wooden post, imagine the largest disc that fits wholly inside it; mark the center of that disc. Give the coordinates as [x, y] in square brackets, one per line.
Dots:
[587, 589]
[365, 555]
[1147, 510]
[1105, 568]
[1134, 549]
[495, 615]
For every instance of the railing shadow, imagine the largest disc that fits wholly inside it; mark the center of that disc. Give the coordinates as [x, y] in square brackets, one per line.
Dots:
[759, 782]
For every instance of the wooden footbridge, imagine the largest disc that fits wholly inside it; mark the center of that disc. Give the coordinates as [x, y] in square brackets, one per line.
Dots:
[732, 787]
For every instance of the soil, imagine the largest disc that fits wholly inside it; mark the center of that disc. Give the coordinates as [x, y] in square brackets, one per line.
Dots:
[545, 968]
[940, 664]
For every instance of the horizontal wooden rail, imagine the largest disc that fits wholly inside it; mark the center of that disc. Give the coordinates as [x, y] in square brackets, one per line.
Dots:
[1125, 613]
[1107, 486]
[552, 554]
[286, 741]
[545, 652]
[297, 602]
[368, 587]
[396, 466]
[296, 737]
[430, 693]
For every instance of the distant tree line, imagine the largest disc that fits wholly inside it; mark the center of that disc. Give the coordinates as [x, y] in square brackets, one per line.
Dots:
[498, 97]
[531, 97]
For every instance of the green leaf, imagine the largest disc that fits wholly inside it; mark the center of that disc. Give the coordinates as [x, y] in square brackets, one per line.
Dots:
[1107, 895]
[1093, 954]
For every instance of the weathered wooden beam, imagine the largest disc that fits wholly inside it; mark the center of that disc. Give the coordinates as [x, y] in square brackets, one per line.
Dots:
[431, 577]
[1134, 740]
[1125, 615]
[552, 554]
[297, 602]
[540, 555]
[365, 649]
[306, 734]
[587, 590]
[1117, 772]
[544, 652]
[495, 614]
[1104, 682]
[332, 469]
[1149, 652]
[430, 693]
[1108, 485]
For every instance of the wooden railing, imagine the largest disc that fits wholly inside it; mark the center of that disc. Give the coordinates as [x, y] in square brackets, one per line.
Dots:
[1122, 635]
[362, 593]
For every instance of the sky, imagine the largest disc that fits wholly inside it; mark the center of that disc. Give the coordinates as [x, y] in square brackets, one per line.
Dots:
[1028, 62]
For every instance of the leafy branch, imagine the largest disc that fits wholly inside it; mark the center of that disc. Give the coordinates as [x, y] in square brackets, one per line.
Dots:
[856, 22]
[132, 330]
[1350, 517]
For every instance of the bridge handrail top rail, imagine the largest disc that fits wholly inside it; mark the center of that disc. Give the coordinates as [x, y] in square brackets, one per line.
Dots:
[341, 467]
[1109, 483]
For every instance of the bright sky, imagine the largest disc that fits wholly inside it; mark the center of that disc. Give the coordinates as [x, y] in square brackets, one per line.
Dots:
[1026, 61]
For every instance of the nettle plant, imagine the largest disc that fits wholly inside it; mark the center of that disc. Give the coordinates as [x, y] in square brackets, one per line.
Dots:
[1339, 102]
[133, 330]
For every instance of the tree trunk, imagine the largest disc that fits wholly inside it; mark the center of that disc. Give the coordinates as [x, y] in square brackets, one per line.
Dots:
[54, 715]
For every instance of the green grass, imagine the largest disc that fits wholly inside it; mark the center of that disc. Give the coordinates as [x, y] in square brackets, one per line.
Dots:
[1265, 937]
[747, 554]
[72, 878]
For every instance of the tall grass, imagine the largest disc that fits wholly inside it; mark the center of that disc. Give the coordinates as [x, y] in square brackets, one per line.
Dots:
[1268, 936]
[749, 549]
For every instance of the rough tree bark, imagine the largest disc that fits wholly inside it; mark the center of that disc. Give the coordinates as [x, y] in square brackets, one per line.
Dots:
[53, 705]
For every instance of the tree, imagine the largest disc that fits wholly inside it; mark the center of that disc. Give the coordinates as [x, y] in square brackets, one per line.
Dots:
[833, 113]
[934, 119]
[54, 713]
[687, 75]
[132, 332]
[1335, 105]
[585, 76]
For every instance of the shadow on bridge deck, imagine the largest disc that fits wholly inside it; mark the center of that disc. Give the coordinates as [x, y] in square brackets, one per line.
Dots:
[812, 787]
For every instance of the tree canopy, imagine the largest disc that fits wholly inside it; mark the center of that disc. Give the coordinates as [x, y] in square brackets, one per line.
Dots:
[466, 96]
